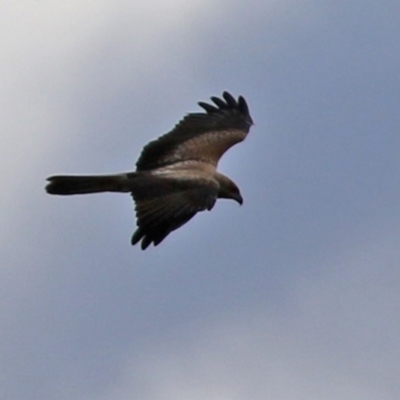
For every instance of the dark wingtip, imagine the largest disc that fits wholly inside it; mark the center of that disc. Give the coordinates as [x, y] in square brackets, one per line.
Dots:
[208, 107]
[136, 237]
[227, 102]
[230, 100]
[243, 105]
[220, 103]
[145, 243]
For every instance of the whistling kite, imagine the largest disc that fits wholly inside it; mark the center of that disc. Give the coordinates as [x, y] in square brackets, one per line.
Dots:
[176, 175]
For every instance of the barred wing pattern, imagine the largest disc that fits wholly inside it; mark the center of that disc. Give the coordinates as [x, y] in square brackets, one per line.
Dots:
[200, 136]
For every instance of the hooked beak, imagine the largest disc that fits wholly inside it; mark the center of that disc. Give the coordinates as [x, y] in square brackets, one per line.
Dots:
[239, 199]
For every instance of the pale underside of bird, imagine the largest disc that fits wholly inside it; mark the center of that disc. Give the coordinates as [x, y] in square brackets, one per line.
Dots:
[176, 175]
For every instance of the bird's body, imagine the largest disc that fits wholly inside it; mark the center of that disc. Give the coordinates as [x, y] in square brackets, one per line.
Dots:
[176, 174]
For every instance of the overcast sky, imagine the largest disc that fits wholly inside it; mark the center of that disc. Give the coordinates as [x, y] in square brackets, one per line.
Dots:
[293, 296]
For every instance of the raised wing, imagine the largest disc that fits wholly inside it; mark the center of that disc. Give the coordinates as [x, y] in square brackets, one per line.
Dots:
[167, 205]
[200, 136]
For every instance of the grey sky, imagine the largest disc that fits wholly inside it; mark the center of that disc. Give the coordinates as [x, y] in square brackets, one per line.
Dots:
[295, 295]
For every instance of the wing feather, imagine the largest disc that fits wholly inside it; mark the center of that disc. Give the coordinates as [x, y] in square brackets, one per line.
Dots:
[219, 102]
[208, 107]
[200, 136]
[157, 216]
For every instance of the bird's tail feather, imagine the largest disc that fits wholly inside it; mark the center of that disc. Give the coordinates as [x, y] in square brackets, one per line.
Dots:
[70, 184]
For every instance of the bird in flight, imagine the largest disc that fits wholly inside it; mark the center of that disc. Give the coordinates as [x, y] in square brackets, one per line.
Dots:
[176, 175]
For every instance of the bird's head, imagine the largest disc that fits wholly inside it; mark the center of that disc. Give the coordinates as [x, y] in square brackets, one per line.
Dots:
[229, 190]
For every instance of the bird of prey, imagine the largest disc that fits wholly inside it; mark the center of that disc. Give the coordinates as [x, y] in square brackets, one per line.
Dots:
[176, 175]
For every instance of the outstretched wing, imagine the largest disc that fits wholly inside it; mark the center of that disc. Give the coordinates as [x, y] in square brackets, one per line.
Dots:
[166, 204]
[200, 136]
